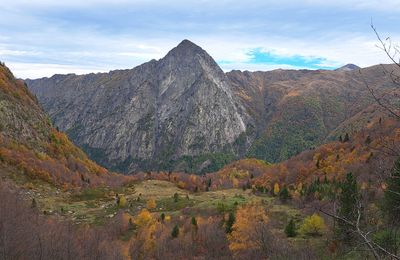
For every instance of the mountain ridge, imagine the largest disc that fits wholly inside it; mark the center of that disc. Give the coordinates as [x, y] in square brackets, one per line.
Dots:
[183, 112]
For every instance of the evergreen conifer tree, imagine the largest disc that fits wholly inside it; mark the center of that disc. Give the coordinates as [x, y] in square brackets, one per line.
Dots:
[290, 229]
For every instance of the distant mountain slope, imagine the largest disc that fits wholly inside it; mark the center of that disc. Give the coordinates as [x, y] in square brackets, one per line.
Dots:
[161, 114]
[299, 110]
[183, 113]
[31, 148]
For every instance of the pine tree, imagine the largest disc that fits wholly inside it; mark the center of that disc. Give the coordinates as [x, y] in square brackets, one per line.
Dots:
[325, 180]
[176, 197]
[391, 199]
[318, 163]
[248, 184]
[194, 221]
[284, 194]
[229, 223]
[348, 204]
[34, 204]
[346, 138]
[368, 140]
[290, 229]
[131, 226]
[175, 232]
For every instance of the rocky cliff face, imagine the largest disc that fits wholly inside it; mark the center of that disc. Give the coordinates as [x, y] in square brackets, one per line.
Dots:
[151, 116]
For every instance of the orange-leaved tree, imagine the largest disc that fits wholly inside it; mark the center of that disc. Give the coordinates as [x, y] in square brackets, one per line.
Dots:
[250, 231]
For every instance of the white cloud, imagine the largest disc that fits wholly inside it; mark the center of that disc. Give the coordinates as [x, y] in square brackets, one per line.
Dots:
[35, 45]
[37, 70]
[235, 51]
[13, 52]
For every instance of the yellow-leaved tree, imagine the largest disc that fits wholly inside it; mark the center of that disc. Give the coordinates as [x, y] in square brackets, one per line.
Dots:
[145, 240]
[144, 218]
[276, 189]
[151, 204]
[250, 230]
[313, 225]
[122, 201]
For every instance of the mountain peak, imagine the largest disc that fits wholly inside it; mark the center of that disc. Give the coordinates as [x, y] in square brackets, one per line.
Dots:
[186, 48]
[187, 44]
[348, 67]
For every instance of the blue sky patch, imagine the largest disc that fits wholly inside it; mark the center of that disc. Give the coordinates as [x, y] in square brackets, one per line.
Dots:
[258, 56]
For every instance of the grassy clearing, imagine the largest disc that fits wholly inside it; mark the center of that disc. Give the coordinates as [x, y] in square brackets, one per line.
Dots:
[154, 189]
[92, 194]
[96, 205]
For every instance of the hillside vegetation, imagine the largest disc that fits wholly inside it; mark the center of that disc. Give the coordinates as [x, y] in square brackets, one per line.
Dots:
[31, 147]
[58, 204]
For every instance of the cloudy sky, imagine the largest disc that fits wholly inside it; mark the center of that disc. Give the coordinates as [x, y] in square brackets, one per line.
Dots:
[41, 38]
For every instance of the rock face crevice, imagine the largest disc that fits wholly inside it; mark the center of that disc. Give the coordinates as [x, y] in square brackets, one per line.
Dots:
[161, 111]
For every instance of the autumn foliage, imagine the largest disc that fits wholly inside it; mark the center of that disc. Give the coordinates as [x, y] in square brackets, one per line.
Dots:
[249, 220]
[60, 163]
